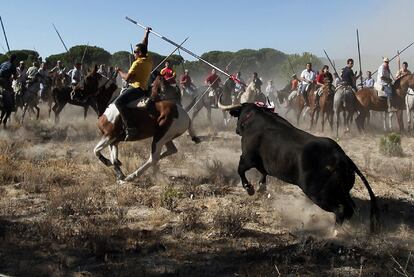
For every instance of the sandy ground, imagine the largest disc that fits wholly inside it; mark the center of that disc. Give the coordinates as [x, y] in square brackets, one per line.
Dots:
[63, 214]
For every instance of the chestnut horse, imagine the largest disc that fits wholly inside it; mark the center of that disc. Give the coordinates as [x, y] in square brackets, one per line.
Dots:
[369, 100]
[326, 105]
[162, 119]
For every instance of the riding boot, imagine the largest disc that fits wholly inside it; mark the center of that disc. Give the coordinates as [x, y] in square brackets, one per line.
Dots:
[130, 133]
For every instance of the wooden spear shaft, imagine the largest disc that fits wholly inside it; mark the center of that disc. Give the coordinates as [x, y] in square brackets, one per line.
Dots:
[182, 48]
[4, 33]
[57, 32]
[359, 57]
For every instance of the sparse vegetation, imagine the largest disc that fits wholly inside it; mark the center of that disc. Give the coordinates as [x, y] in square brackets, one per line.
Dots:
[62, 213]
[230, 221]
[170, 198]
[390, 145]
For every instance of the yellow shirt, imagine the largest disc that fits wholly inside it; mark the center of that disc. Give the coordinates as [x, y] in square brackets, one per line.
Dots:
[140, 72]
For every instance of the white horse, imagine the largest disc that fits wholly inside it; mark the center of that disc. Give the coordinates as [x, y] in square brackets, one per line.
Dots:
[409, 103]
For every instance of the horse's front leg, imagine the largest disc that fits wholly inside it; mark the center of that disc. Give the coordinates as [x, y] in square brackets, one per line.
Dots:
[115, 162]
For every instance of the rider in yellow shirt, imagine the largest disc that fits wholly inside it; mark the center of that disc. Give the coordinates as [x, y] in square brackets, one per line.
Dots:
[137, 77]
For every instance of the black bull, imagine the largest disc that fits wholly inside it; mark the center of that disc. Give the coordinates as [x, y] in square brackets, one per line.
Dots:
[317, 165]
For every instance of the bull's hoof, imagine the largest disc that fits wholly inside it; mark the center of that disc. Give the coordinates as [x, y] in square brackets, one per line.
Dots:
[249, 188]
[262, 188]
[196, 140]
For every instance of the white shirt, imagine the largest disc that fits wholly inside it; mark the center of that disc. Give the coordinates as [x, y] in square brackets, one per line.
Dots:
[76, 76]
[308, 76]
[383, 72]
[369, 83]
[269, 90]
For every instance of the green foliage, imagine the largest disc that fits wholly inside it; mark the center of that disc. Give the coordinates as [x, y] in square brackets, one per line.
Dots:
[28, 56]
[267, 62]
[170, 198]
[94, 55]
[121, 59]
[298, 63]
[390, 145]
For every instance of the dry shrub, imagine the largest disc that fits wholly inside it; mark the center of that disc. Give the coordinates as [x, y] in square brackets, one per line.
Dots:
[219, 178]
[404, 171]
[170, 198]
[135, 197]
[77, 200]
[8, 170]
[390, 145]
[191, 219]
[230, 221]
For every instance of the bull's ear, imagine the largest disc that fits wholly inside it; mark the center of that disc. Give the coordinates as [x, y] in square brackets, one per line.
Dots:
[235, 113]
[95, 69]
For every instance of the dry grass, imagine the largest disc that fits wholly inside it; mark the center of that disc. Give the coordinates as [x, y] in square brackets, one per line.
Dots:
[230, 221]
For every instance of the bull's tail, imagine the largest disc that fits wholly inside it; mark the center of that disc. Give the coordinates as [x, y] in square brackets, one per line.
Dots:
[374, 214]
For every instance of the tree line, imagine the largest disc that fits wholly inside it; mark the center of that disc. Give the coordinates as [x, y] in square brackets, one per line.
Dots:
[267, 62]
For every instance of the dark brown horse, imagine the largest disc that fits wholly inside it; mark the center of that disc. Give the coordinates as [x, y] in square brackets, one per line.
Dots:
[63, 94]
[162, 119]
[368, 100]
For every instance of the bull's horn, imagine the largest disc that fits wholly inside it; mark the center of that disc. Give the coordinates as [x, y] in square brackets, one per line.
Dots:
[227, 107]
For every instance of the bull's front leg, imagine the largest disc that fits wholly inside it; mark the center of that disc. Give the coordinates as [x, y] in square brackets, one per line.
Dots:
[244, 165]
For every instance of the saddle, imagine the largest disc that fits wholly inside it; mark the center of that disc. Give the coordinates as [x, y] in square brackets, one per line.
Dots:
[380, 90]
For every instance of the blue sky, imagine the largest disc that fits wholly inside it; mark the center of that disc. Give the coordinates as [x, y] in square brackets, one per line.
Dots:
[289, 26]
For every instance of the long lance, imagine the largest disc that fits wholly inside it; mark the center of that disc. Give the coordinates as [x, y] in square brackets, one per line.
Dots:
[182, 63]
[291, 66]
[182, 48]
[396, 55]
[166, 58]
[333, 66]
[4, 33]
[359, 58]
[84, 52]
[57, 32]
[202, 95]
[241, 64]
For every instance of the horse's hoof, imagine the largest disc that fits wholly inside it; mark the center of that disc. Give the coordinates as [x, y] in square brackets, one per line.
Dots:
[120, 176]
[122, 182]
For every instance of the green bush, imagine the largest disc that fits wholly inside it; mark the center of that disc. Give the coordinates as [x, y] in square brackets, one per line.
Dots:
[390, 145]
[170, 198]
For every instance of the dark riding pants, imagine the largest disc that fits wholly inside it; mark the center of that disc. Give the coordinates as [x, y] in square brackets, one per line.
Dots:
[8, 94]
[129, 95]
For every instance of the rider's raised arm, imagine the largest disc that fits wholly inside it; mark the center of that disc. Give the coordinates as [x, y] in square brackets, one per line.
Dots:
[145, 39]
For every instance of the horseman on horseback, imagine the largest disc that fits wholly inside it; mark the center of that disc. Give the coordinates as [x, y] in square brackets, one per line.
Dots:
[187, 85]
[7, 72]
[385, 82]
[348, 76]
[307, 77]
[324, 78]
[169, 76]
[137, 76]
[213, 80]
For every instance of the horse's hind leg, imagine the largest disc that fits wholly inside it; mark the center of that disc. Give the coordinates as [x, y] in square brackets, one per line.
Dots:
[153, 159]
